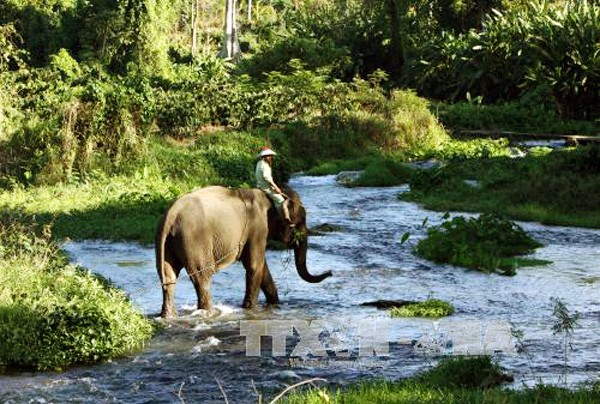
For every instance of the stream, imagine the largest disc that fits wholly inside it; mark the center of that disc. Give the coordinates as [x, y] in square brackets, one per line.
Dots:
[200, 358]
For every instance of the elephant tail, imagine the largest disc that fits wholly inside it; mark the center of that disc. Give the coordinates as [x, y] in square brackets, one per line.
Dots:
[162, 232]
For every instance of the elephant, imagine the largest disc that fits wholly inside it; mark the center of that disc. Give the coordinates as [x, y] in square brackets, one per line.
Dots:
[210, 228]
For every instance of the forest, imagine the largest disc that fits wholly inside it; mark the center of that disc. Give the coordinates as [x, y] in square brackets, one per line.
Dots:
[111, 109]
[85, 84]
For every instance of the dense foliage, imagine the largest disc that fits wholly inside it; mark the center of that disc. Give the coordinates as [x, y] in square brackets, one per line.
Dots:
[539, 44]
[52, 314]
[486, 243]
[77, 119]
[85, 84]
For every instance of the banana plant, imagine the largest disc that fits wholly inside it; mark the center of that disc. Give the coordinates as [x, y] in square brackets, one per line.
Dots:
[566, 44]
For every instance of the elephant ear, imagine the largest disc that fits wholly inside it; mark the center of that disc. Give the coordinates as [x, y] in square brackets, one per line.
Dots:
[297, 212]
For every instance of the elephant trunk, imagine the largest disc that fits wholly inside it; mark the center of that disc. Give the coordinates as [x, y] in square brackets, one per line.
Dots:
[300, 259]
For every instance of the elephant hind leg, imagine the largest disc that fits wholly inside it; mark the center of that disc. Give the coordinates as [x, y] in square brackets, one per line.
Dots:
[171, 272]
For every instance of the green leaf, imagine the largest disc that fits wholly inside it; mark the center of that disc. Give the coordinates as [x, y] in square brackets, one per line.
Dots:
[405, 237]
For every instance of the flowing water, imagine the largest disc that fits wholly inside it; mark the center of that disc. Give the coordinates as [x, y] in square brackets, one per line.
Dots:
[202, 359]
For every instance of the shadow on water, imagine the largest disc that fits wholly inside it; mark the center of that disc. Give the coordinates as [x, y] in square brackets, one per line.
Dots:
[195, 354]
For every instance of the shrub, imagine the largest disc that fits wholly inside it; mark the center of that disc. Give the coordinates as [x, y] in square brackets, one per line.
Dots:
[474, 372]
[383, 173]
[554, 44]
[54, 315]
[454, 150]
[528, 115]
[487, 243]
[76, 122]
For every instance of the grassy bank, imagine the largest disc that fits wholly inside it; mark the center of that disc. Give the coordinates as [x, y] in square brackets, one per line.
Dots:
[53, 314]
[561, 187]
[454, 380]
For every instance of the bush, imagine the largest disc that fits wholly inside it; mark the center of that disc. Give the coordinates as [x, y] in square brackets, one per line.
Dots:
[487, 243]
[526, 116]
[76, 122]
[383, 173]
[456, 150]
[475, 372]
[54, 315]
[539, 43]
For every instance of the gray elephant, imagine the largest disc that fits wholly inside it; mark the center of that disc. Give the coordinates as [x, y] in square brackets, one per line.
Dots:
[210, 228]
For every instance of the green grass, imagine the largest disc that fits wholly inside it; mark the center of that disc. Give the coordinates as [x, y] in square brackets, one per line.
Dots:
[558, 188]
[128, 206]
[454, 380]
[433, 308]
[336, 166]
[529, 115]
[488, 243]
[53, 314]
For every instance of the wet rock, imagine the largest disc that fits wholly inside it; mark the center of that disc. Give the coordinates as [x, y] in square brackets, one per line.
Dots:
[324, 228]
[388, 304]
[424, 164]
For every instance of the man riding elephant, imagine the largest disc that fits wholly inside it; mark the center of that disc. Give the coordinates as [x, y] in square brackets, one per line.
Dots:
[265, 182]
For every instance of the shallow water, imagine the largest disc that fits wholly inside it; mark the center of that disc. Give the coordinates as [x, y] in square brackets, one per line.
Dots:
[196, 354]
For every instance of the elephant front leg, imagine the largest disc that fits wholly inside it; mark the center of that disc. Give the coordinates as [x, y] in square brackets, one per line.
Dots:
[253, 283]
[268, 287]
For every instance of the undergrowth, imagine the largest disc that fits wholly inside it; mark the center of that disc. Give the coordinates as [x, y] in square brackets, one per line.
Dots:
[53, 314]
[488, 243]
[453, 380]
[560, 187]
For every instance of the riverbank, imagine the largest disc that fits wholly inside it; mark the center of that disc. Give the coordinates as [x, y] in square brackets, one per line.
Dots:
[453, 380]
[54, 314]
[558, 187]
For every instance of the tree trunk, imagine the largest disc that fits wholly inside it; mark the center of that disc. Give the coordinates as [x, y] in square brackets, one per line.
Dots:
[231, 46]
[397, 10]
[194, 32]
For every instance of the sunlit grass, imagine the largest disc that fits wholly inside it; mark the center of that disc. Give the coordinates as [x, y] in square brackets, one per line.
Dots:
[559, 188]
[433, 308]
[53, 314]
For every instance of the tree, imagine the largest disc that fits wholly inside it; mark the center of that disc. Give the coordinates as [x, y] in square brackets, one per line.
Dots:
[231, 46]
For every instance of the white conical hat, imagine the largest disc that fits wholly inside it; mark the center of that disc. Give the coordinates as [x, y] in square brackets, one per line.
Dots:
[266, 152]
